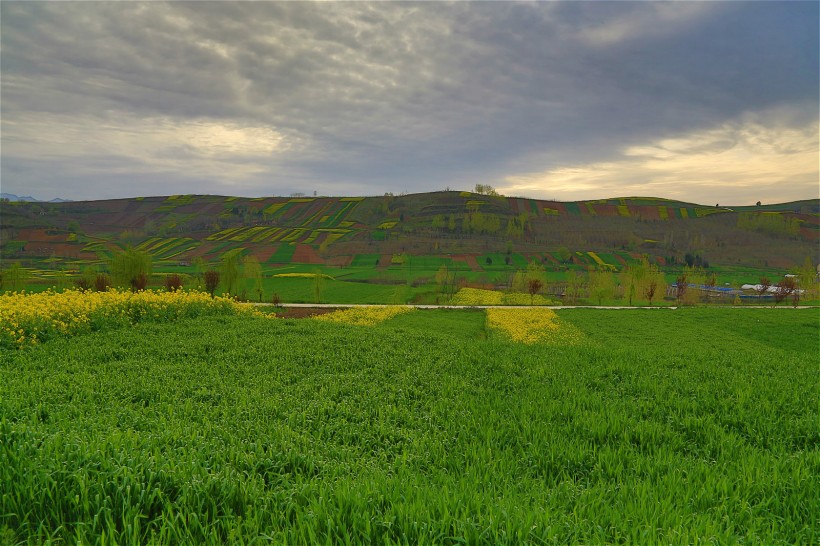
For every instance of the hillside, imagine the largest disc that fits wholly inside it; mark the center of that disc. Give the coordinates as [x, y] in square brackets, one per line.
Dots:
[339, 231]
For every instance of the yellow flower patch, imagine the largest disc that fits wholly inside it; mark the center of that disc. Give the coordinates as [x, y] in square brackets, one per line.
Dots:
[303, 275]
[477, 296]
[365, 316]
[27, 319]
[520, 298]
[533, 325]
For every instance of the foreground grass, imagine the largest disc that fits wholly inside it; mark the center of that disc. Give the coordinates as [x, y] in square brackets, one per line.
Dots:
[658, 427]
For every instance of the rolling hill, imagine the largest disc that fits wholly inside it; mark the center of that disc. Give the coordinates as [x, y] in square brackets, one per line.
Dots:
[476, 228]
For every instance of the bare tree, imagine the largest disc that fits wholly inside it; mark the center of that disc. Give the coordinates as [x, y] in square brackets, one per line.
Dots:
[533, 287]
[711, 282]
[211, 281]
[682, 284]
[173, 282]
[649, 290]
[785, 288]
[763, 286]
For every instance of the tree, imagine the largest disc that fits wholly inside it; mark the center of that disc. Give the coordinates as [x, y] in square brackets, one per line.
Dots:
[681, 283]
[173, 282]
[601, 285]
[533, 287]
[253, 271]
[211, 281]
[199, 268]
[102, 282]
[762, 286]
[318, 286]
[807, 279]
[649, 290]
[131, 268]
[784, 288]
[575, 282]
[445, 279]
[564, 255]
[229, 271]
[628, 283]
[16, 276]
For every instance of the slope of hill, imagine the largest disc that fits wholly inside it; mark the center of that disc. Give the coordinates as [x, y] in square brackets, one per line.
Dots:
[340, 230]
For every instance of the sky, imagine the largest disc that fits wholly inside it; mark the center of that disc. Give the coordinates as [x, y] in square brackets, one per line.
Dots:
[706, 102]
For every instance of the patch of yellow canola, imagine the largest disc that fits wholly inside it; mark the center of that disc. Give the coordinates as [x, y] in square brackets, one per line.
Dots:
[303, 275]
[364, 316]
[533, 325]
[477, 296]
[27, 319]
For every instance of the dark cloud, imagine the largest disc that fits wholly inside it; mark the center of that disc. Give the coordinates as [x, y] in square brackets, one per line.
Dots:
[355, 97]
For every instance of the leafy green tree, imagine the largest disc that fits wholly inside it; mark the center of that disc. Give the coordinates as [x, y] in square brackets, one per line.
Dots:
[16, 276]
[629, 283]
[253, 271]
[229, 271]
[807, 279]
[318, 286]
[601, 285]
[199, 268]
[564, 255]
[575, 283]
[131, 268]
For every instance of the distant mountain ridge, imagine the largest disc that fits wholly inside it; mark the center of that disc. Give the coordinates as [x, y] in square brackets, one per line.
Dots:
[30, 199]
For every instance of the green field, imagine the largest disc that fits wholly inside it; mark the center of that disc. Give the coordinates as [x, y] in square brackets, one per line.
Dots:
[656, 427]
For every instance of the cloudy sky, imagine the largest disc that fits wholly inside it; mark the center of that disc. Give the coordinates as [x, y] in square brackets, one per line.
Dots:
[709, 102]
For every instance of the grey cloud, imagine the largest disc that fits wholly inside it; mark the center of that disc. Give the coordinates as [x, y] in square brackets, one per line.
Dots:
[419, 94]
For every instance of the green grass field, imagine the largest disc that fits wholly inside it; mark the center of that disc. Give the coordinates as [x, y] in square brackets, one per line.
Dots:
[657, 427]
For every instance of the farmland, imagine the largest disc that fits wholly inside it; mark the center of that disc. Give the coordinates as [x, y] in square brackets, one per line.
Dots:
[417, 427]
[389, 249]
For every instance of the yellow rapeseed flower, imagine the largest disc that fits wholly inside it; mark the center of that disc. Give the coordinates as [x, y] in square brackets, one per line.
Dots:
[364, 316]
[26, 318]
[477, 296]
[532, 325]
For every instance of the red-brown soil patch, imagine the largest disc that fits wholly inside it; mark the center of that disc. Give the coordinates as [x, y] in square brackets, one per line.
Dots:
[40, 235]
[649, 212]
[304, 254]
[339, 261]
[469, 259]
[263, 253]
[605, 210]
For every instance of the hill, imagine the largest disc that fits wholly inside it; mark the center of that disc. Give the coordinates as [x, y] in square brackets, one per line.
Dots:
[481, 230]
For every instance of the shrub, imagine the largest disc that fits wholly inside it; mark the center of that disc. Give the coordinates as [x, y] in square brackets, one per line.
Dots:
[173, 282]
[139, 282]
[102, 282]
[211, 281]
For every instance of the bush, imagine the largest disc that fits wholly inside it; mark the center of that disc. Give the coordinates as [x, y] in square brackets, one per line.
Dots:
[211, 281]
[102, 282]
[173, 282]
[139, 282]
